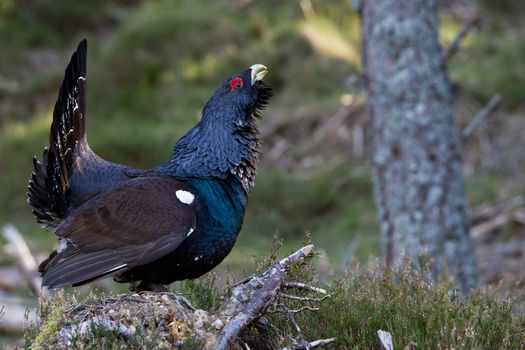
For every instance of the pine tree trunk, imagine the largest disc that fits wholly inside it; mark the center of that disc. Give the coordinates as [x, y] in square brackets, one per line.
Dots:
[416, 154]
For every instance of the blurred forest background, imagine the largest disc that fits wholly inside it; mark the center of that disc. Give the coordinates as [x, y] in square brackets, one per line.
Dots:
[153, 64]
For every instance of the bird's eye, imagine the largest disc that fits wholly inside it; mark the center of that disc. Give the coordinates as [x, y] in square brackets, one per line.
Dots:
[235, 84]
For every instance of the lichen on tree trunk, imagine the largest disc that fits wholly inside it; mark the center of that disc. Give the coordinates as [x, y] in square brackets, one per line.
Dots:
[416, 154]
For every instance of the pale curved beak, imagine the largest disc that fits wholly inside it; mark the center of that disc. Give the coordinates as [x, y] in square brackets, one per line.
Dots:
[258, 72]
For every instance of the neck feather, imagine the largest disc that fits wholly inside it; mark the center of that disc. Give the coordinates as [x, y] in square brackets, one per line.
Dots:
[210, 150]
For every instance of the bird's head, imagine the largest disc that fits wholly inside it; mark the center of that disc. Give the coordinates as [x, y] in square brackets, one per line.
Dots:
[225, 141]
[239, 98]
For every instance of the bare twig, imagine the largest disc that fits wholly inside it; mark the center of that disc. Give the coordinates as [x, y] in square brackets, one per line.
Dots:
[385, 340]
[302, 343]
[311, 345]
[298, 329]
[244, 280]
[281, 308]
[26, 259]
[302, 309]
[301, 285]
[265, 322]
[295, 297]
[454, 46]
[480, 116]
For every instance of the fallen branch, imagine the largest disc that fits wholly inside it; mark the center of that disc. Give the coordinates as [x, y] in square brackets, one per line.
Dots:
[489, 218]
[489, 211]
[481, 115]
[13, 312]
[25, 258]
[454, 46]
[481, 230]
[251, 298]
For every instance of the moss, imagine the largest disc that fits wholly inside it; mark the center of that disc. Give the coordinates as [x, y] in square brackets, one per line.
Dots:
[48, 331]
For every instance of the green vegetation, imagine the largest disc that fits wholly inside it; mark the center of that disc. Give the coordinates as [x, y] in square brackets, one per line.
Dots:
[413, 310]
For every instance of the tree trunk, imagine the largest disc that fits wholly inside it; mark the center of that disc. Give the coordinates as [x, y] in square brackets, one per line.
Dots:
[416, 152]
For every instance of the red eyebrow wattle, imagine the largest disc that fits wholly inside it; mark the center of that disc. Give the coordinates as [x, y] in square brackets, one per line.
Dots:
[233, 83]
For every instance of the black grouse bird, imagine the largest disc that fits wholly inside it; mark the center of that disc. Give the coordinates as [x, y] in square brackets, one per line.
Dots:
[147, 227]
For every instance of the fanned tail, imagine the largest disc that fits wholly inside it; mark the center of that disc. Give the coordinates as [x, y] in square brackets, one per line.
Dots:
[48, 191]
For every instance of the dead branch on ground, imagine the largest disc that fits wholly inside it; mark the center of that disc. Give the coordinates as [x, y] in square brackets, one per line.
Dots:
[25, 258]
[489, 218]
[13, 313]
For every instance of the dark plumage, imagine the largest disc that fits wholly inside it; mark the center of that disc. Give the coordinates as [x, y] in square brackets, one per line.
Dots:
[147, 227]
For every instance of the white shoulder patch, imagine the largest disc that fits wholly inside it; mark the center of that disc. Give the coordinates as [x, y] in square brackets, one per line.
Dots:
[62, 245]
[185, 196]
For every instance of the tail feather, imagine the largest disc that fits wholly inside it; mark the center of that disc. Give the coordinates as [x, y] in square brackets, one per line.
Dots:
[48, 191]
[73, 268]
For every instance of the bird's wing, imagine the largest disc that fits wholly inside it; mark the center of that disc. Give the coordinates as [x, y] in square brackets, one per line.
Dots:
[58, 182]
[132, 224]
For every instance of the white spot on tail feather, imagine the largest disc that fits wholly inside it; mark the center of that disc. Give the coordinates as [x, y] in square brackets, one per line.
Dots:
[190, 231]
[185, 196]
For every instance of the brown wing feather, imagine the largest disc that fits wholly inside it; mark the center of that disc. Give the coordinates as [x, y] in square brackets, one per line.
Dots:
[134, 223]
